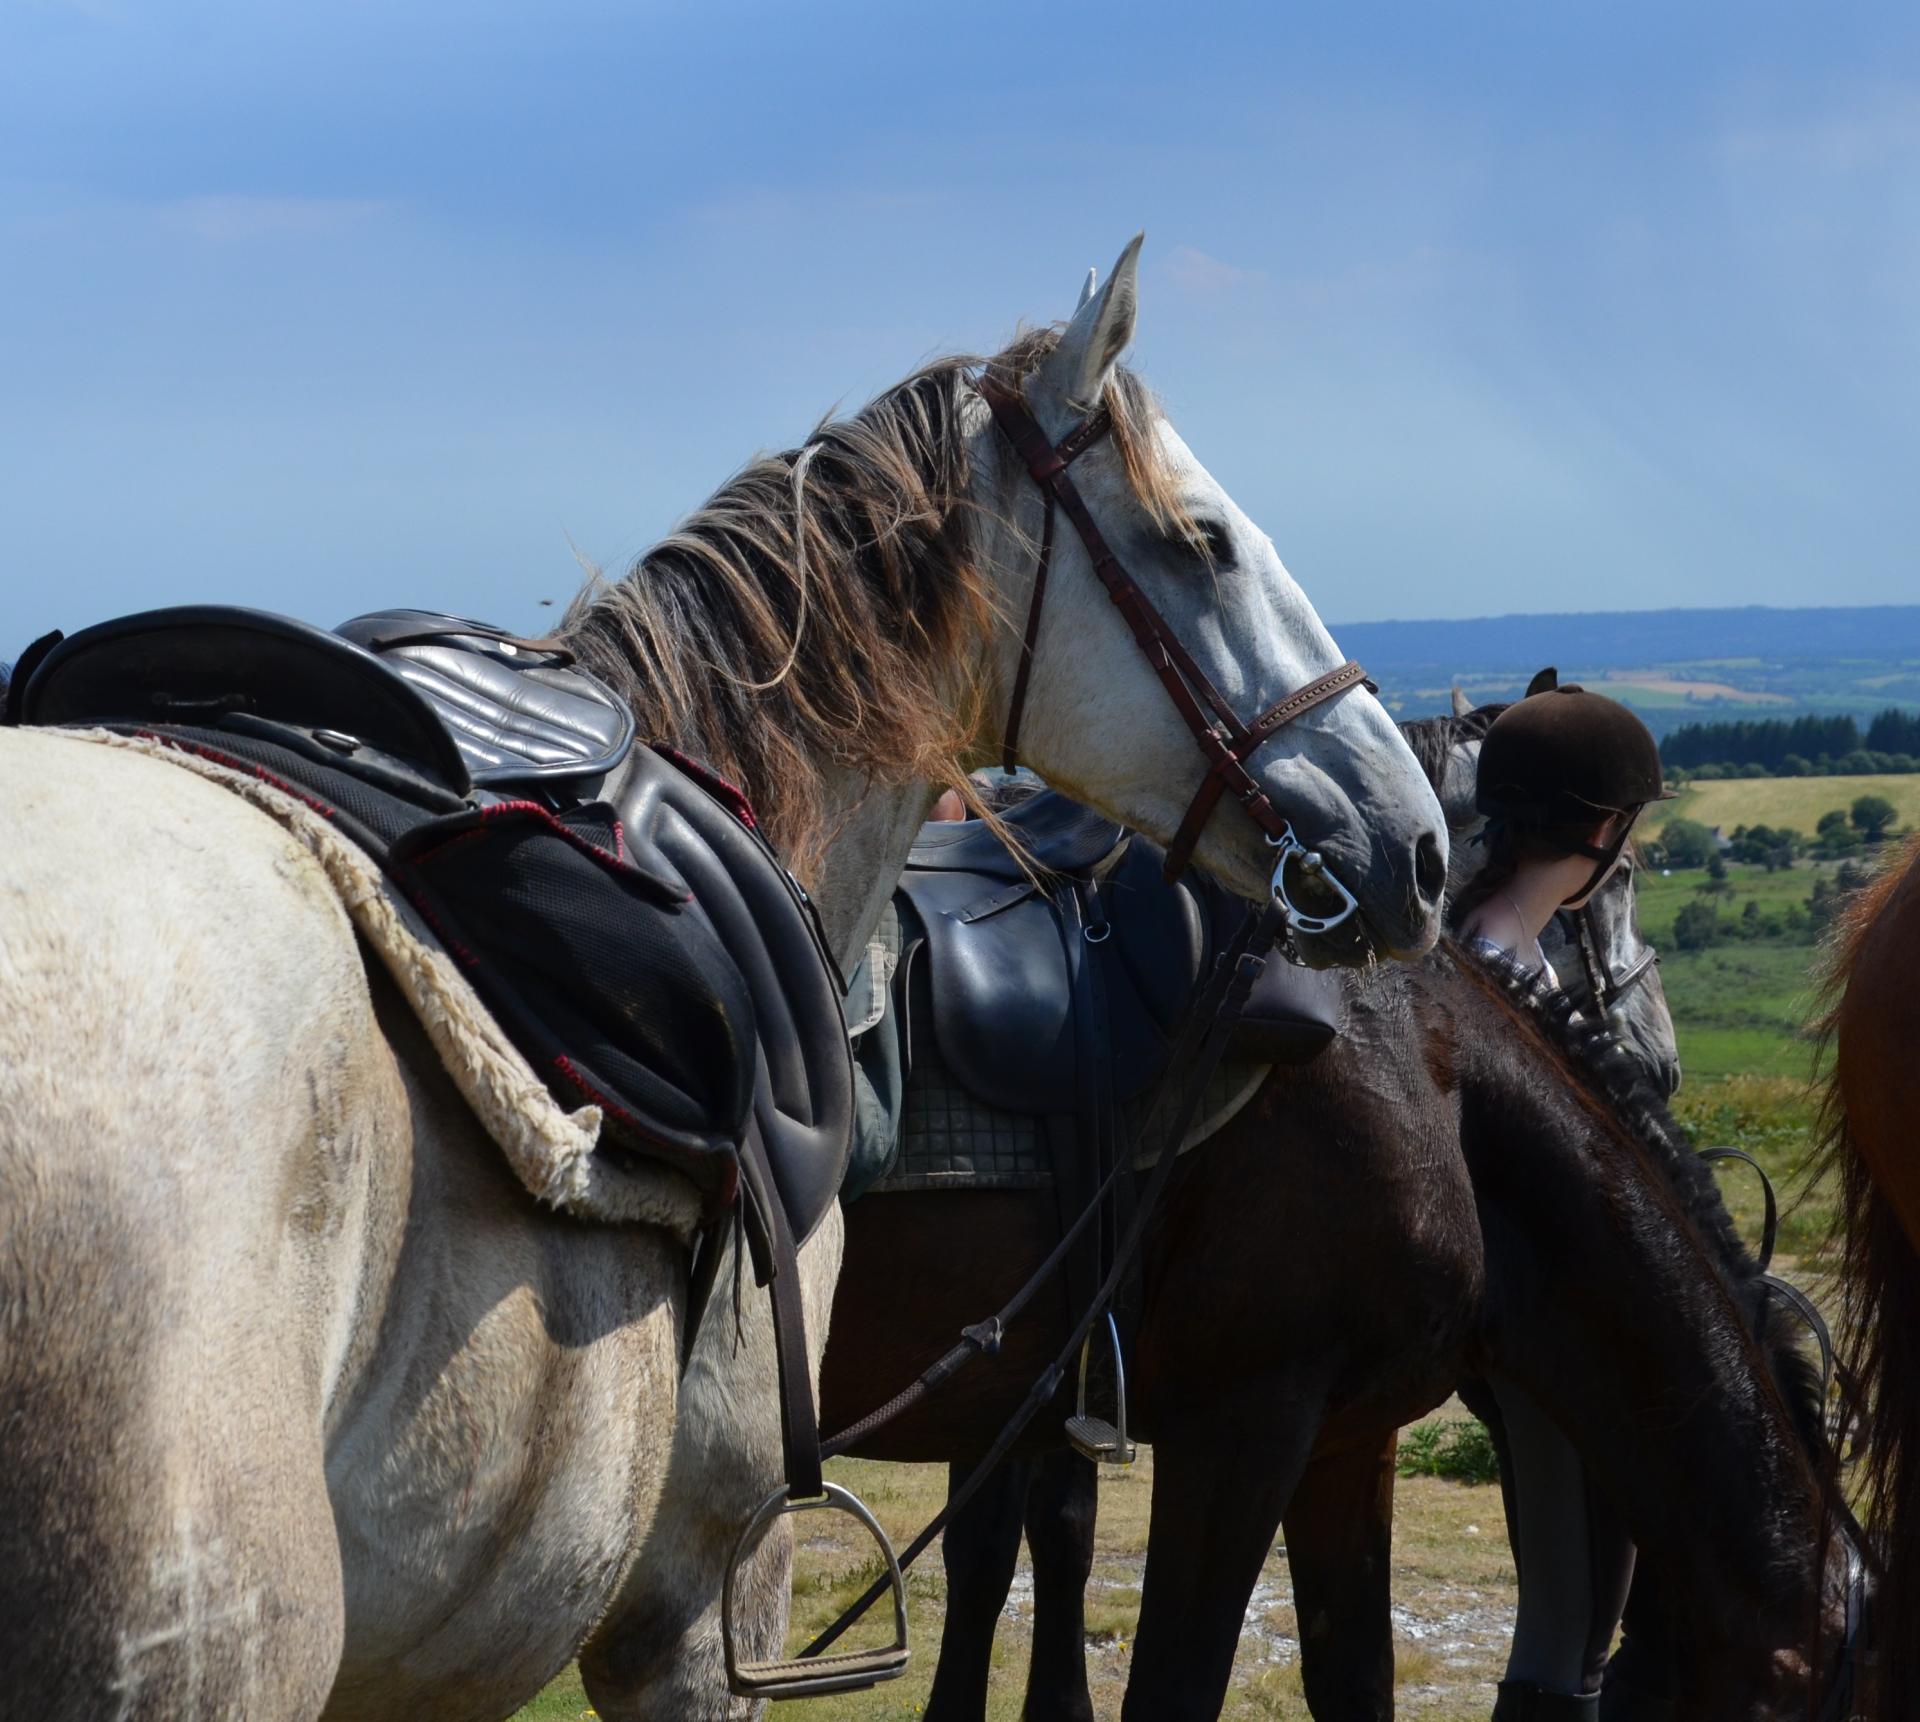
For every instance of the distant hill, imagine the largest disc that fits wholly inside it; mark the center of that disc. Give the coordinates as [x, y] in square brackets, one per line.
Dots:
[1672, 666]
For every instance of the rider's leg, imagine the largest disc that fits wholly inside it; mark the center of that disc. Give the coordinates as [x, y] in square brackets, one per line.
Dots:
[1575, 1563]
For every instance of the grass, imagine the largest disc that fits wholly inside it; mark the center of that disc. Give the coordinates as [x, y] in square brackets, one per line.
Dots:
[1453, 1590]
[1456, 1448]
[1793, 801]
[1739, 1008]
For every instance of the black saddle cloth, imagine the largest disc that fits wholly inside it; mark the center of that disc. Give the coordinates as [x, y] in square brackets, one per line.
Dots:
[648, 952]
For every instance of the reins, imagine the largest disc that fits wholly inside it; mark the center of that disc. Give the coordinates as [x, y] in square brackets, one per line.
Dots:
[1202, 1041]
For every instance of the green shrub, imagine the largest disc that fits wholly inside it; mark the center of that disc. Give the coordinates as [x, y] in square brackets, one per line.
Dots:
[1697, 926]
[1871, 815]
[1688, 843]
[1456, 1448]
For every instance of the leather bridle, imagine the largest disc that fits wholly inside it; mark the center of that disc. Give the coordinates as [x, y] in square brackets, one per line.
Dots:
[1226, 742]
[1606, 988]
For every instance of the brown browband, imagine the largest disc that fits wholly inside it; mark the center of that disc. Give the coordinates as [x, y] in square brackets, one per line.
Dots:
[1226, 742]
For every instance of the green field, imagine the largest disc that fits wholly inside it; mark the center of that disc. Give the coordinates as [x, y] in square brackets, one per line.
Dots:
[1739, 1008]
[1797, 802]
[1741, 1011]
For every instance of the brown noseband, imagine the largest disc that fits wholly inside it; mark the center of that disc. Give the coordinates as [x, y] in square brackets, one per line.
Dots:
[1223, 738]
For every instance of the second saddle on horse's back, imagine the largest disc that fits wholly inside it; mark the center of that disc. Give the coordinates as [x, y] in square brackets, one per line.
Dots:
[1015, 958]
[1020, 949]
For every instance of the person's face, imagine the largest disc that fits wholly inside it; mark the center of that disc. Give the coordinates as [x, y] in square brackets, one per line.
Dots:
[1603, 836]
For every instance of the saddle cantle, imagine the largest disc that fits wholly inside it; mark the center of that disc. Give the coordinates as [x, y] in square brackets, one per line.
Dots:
[520, 711]
[652, 955]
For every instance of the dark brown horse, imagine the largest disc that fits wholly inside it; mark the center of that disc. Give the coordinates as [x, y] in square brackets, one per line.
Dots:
[1443, 1192]
[1872, 1115]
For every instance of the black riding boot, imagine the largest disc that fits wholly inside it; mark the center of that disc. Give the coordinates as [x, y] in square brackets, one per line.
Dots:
[1522, 1701]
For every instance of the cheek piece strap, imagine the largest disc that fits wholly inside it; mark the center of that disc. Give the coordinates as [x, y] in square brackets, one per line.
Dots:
[1224, 739]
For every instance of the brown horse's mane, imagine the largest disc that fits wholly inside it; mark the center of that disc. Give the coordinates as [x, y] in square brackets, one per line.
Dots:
[1616, 1092]
[817, 607]
[1880, 1307]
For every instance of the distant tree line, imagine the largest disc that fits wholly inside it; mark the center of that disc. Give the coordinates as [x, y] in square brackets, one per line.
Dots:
[1795, 747]
[1841, 831]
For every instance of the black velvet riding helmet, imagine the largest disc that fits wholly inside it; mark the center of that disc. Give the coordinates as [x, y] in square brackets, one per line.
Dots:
[1563, 758]
[1566, 756]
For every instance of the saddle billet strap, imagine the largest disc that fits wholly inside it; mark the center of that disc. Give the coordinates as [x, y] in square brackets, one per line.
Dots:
[1224, 739]
[799, 1417]
[1203, 1041]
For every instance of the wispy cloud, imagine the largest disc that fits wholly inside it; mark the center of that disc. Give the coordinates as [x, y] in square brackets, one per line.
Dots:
[231, 220]
[1865, 134]
[1204, 277]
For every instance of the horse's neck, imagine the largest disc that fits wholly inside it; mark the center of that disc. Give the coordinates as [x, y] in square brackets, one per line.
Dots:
[866, 859]
[1633, 1328]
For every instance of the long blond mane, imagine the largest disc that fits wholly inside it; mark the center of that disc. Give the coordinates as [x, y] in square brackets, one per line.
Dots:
[825, 605]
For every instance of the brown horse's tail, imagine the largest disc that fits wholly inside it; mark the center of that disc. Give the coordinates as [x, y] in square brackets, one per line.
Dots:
[1868, 1137]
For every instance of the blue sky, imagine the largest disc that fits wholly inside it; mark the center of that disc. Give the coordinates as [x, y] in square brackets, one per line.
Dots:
[1475, 308]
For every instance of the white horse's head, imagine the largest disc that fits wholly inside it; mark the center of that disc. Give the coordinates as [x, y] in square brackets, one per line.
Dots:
[1099, 724]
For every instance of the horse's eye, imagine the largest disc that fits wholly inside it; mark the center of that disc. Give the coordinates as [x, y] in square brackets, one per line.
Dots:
[1218, 540]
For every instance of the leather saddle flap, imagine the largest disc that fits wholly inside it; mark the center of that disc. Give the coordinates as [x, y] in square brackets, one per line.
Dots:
[1003, 953]
[803, 1095]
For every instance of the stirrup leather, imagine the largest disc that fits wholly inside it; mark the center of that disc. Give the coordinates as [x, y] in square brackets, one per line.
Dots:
[1095, 1437]
[813, 1676]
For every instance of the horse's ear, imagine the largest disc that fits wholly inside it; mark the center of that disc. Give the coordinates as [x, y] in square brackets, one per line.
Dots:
[1077, 370]
[1461, 704]
[1544, 683]
[1086, 291]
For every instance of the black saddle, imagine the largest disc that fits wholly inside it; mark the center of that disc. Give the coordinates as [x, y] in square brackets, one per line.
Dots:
[1010, 955]
[647, 952]
[1006, 943]
[1054, 985]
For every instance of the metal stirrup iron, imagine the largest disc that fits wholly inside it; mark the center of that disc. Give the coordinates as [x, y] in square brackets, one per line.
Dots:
[1094, 1437]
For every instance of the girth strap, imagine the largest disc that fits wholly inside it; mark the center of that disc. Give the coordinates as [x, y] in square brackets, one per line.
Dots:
[1224, 739]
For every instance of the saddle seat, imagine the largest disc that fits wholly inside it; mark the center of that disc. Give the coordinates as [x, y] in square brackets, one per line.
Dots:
[646, 951]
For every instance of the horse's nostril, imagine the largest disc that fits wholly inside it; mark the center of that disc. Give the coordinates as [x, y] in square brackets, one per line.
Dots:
[1429, 868]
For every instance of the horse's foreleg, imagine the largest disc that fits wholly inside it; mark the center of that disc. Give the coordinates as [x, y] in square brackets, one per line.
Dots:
[1221, 1478]
[1339, 1528]
[1062, 1506]
[978, 1552]
[659, 1652]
